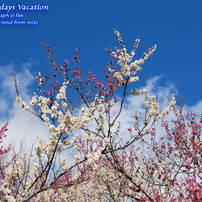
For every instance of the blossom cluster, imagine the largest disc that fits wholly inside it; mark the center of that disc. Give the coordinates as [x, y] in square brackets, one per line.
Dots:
[152, 107]
[129, 68]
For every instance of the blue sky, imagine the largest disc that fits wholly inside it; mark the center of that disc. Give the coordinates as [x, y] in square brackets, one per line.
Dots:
[175, 26]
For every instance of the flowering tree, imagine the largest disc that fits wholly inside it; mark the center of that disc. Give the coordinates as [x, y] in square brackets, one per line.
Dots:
[4, 163]
[84, 127]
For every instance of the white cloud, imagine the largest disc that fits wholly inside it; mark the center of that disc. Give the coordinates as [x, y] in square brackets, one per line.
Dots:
[3, 104]
[22, 124]
[196, 108]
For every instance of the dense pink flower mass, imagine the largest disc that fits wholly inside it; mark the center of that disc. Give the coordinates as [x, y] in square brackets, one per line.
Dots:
[86, 158]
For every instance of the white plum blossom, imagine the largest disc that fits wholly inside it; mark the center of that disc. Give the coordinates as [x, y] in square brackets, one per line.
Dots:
[63, 161]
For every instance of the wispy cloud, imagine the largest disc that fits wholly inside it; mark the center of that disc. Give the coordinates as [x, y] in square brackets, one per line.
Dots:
[22, 124]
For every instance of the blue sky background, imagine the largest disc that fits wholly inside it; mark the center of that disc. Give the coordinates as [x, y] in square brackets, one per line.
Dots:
[175, 26]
